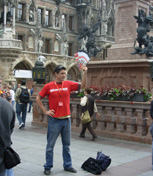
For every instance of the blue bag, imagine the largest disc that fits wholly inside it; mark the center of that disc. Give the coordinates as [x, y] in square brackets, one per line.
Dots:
[105, 160]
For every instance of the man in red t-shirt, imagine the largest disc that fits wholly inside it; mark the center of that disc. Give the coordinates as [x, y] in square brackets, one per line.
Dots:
[59, 121]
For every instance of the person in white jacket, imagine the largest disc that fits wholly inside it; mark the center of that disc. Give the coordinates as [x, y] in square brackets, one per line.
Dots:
[88, 101]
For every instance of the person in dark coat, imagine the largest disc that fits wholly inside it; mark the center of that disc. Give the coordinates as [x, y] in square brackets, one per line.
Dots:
[7, 123]
[88, 101]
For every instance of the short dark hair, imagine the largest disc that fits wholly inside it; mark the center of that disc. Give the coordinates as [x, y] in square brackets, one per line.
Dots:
[59, 68]
[23, 82]
[88, 90]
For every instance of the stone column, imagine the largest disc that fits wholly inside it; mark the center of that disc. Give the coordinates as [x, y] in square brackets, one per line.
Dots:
[14, 20]
[5, 13]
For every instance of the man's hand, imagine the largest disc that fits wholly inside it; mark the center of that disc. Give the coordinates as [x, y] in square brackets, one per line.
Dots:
[50, 113]
[98, 115]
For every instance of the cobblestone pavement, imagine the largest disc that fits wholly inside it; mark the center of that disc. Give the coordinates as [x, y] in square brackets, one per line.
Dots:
[128, 158]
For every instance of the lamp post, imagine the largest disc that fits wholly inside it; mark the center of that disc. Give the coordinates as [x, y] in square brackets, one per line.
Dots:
[39, 71]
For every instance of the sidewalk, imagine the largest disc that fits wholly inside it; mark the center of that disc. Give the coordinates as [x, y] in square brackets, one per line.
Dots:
[128, 158]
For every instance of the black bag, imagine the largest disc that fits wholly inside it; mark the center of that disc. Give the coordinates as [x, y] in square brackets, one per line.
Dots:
[11, 158]
[105, 160]
[92, 165]
[24, 96]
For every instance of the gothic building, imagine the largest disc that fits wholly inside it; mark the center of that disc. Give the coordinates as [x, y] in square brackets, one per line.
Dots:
[51, 28]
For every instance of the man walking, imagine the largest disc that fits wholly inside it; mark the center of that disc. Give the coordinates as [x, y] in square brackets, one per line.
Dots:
[59, 121]
[7, 122]
[22, 97]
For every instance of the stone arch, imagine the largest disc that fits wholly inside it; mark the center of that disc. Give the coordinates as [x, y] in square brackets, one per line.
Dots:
[50, 66]
[74, 73]
[23, 64]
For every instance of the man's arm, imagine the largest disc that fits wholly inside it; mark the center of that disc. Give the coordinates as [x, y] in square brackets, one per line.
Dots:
[84, 78]
[40, 104]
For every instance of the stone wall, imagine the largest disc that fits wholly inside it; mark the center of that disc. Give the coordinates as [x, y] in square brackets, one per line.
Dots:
[118, 119]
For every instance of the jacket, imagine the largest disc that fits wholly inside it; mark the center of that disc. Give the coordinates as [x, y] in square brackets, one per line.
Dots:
[90, 106]
[7, 123]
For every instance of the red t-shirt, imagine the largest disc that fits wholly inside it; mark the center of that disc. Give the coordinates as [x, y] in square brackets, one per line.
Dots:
[59, 93]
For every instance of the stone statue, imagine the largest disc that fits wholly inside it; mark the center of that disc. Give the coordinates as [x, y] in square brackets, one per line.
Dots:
[88, 33]
[31, 15]
[57, 20]
[143, 28]
[63, 38]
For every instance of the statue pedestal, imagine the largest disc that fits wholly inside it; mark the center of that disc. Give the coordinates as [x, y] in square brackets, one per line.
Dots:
[38, 116]
[125, 29]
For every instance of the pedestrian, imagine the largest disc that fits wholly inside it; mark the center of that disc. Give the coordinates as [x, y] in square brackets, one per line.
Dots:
[8, 93]
[30, 102]
[88, 102]
[7, 123]
[21, 104]
[59, 121]
[151, 128]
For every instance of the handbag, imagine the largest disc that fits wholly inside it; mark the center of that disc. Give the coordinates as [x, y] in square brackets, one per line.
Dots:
[11, 158]
[85, 117]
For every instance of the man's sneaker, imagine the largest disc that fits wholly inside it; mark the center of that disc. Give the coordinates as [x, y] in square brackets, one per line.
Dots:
[71, 170]
[47, 172]
[21, 125]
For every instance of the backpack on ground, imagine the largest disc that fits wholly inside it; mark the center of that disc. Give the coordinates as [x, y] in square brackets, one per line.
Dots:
[24, 96]
[105, 160]
[92, 165]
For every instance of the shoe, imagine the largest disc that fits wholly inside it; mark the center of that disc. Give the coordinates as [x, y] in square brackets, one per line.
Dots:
[21, 125]
[71, 170]
[93, 138]
[47, 172]
[82, 136]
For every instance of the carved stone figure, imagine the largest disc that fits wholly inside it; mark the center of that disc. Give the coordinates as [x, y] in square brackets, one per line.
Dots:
[40, 44]
[142, 30]
[31, 15]
[63, 39]
[92, 50]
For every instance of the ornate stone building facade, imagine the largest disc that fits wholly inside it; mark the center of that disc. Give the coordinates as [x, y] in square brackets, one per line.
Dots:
[29, 28]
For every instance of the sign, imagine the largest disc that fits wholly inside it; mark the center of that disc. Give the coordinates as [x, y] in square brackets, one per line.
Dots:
[22, 73]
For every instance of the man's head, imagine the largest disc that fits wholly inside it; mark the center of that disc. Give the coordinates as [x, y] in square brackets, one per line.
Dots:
[87, 90]
[23, 82]
[60, 73]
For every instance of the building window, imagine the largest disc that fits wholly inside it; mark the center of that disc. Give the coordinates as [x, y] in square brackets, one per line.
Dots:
[70, 22]
[70, 49]
[20, 11]
[47, 46]
[40, 15]
[48, 18]
[20, 37]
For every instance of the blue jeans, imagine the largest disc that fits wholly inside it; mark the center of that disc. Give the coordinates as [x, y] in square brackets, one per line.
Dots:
[13, 102]
[30, 104]
[9, 172]
[21, 108]
[56, 127]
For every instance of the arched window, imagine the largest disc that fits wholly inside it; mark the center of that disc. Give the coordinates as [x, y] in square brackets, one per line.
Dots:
[31, 42]
[56, 46]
